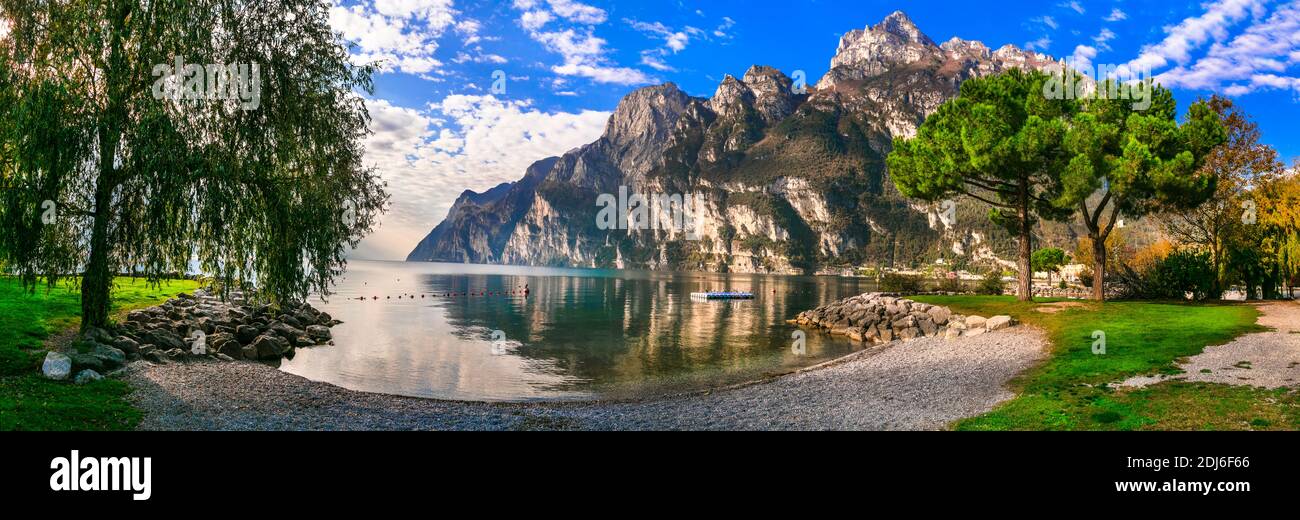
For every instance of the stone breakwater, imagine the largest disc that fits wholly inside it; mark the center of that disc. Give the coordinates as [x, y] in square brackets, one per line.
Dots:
[881, 318]
[193, 327]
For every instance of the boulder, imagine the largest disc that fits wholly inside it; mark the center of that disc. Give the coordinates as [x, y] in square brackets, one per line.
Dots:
[87, 376]
[269, 347]
[246, 334]
[127, 345]
[56, 366]
[163, 339]
[225, 343]
[909, 333]
[927, 326]
[110, 357]
[940, 315]
[98, 335]
[975, 322]
[248, 352]
[998, 323]
[319, 332]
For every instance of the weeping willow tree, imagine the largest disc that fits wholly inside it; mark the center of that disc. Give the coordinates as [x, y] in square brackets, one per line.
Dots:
[143, 136]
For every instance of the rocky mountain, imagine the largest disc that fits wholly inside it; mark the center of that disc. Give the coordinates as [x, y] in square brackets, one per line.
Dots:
[791, 179]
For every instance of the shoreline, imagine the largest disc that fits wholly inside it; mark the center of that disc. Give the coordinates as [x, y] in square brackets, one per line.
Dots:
[923, 384]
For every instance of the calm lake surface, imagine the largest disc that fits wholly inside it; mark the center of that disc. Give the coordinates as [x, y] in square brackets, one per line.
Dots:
[579, 334]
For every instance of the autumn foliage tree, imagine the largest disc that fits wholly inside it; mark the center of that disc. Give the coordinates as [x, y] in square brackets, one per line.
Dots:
[1238, 165]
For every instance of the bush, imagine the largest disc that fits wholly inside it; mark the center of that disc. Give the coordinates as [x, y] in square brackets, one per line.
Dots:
[1085, 277]
[900, 283]
[1174, 277]
[991, 284]
[951, 285]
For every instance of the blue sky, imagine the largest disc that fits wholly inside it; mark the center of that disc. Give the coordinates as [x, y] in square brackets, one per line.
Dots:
[440, 128]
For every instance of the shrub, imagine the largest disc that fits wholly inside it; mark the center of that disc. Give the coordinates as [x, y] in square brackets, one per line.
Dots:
[900, 283]
[1173, 277]
[950, 285]
[1085, 277]
[991, 284]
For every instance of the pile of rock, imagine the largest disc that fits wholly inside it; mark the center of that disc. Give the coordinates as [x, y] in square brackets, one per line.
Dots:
[197, 326]
[882, 318]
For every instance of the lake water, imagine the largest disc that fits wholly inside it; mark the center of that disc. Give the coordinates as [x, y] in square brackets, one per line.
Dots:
[579, 334]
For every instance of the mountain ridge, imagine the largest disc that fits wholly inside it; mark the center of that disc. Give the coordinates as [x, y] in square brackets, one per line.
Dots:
[793, 180]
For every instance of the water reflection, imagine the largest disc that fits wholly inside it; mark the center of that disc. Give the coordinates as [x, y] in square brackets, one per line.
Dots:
[579, 334]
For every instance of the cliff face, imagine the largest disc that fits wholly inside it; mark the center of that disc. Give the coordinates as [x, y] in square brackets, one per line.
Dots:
[788, 181]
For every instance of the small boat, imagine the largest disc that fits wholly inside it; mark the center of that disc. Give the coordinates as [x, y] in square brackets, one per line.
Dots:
[723, 295]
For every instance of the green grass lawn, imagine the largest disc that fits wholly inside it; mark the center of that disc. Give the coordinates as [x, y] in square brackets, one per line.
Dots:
[28, 401]
[1069, 391]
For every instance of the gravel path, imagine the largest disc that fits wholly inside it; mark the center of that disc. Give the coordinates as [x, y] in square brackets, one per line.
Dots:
[1263, 359]
[922, 384]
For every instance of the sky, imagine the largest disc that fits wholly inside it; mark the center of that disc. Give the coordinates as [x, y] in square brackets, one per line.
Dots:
[472, 92]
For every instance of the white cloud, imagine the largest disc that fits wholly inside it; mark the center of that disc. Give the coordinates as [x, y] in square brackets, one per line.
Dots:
[428, 157]
[1104, 36]
[1048, 21]
[1078, 8]
[401, 33]
[726, 25]
[583, 53]
[577, 12]
[1191, 34]
[1040, 44]
[1082, 58]
[533, 20]
[1116, 15]
[1259, 58]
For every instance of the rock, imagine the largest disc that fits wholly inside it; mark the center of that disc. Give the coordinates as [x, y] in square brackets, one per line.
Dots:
[224, 343]
[87, 376]
[164, 339]
[98, 335]
[127, 345]
[927, 326]
[248, 352]
[952, 333]
[269, 347]
[246, 334]
[909, 333]
[998, 323]
[975, 322]
[886, 335]
[56, 366]
[224, 357]
[156, 356]
[176, 353]
[940, 315]
[110, 357]
[82, 361]
[856, 334]
[974, 331]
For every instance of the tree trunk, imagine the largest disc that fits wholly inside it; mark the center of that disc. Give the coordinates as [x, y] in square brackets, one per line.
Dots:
[1026, 278]
[98, 278]
[1099, 268]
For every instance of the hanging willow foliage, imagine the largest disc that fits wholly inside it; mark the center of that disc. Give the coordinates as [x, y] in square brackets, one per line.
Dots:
[256, 177]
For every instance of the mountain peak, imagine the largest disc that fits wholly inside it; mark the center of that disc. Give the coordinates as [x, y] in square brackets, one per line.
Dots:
[899, 24]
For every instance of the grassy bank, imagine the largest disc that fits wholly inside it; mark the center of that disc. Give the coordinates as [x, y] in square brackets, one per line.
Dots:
[28, 401]
[1069, 391]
